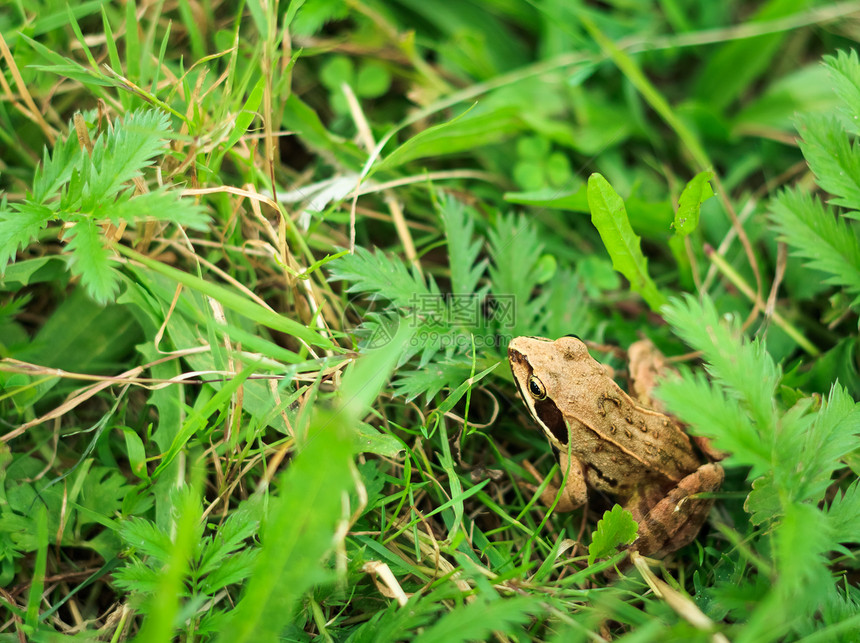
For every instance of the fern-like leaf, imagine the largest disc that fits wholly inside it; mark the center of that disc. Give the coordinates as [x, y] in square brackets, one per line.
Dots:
[744, 368]
[377, 273]
[844, 71]
[462, 250]
[515, 272]
[844, 514]
[832, 435]
[160, 205]
[148, 538]
[430, 380]
[56, 169]
[833, 158]
[711, 413]
[127, 148]
[89, 260]
[815, 233]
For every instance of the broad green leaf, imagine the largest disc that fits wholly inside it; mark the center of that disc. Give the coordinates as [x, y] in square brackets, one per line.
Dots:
[369, 439]
[696, 192]
[136, 453]
[616, 528]
[610, 218]
[466, 132]
[573, 200]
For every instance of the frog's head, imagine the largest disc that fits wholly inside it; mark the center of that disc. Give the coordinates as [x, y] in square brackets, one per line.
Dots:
[545, 371]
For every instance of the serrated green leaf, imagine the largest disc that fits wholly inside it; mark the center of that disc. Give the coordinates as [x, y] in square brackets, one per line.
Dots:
[744, 367]
[463, 251]
[832, 435]
[56, 169]
[88, 259]
[430, 380]
[616, 528]
[763, 502]
[160, 205]
[514, 274]
[19, 225]
[708, 411]
[242, 524]
[137, 577]
[379, 273]
[832, 157]
[844, 514]
[609, 216]
[844, 75]
[815, 233]
[800, 544]
[121, 154]
[147, 537]
[231, 570]
[695, 193]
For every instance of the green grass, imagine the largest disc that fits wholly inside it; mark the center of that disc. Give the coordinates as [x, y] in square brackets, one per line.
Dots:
[226, 417]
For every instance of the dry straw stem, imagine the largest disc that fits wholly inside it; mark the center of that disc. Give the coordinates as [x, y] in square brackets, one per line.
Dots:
[683, 606]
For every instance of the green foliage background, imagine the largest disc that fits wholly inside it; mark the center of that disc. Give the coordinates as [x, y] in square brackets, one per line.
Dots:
[260, 263]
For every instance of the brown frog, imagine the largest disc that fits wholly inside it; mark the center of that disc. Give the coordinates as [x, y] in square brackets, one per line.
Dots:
[617, 444]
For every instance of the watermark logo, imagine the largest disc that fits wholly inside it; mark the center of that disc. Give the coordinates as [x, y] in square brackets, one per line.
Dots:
[444, 320]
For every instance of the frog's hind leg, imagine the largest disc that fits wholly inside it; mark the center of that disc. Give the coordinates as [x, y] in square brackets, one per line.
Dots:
[677, 517]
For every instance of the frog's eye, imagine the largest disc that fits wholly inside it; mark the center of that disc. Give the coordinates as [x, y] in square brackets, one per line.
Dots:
[536, 388]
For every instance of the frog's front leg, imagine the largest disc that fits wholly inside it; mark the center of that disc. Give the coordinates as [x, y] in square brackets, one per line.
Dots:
[573, 494]
[669, 522]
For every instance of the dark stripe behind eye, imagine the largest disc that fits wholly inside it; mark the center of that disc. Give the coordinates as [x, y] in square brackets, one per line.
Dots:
[552, 418]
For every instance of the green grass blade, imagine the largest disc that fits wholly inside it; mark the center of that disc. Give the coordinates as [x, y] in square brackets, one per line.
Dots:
[610, 218]
[232, 300]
